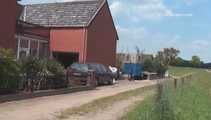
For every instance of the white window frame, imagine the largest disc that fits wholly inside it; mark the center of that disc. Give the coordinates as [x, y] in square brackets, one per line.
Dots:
[27, 50]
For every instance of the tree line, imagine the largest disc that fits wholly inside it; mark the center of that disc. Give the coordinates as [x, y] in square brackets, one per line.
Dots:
[169, 57]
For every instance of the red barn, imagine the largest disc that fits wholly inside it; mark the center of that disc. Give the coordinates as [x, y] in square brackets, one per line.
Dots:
[8, 13]
[80, 31]
[25, 39]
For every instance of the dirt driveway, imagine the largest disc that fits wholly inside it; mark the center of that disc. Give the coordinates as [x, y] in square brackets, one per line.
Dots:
[44, 108]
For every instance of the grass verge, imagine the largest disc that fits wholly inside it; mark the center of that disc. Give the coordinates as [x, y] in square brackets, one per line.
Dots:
[180, 71]
[103, 103]
[191, 101]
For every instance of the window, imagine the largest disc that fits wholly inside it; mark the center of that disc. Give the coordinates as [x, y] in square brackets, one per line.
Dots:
[23, 54]
[32, 47]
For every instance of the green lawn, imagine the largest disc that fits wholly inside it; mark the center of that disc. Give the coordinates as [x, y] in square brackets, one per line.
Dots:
[179, 71]
[191, 101]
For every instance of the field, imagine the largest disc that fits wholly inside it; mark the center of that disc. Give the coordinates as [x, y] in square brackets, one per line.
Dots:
[189, 101]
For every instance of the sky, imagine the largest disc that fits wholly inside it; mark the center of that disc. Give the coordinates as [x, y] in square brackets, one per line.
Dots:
[155, 24]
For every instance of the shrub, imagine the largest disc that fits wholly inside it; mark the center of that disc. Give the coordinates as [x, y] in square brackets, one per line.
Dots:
[154, 65]
[7, 53]
[9, 72]
[43, 74]
[148, 65]
[29, 73]
[58, 78]
[32, 65]
[55, 68]
[159, 67]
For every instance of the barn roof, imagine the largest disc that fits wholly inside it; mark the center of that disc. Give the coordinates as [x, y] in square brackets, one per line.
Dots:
[65, 14]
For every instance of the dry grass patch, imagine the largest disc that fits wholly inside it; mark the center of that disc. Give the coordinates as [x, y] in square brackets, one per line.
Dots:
[103, 103]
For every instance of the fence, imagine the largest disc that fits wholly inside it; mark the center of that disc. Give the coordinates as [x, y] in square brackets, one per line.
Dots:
[11, 84]
[35, 82]
[183, 79]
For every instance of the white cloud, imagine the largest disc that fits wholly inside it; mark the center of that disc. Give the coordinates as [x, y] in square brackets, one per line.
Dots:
[143, 9]
[189, 48]
[151, 42]
[199, 45]
[131, 37]
[117, 7]
[188, 2]
[145, 39]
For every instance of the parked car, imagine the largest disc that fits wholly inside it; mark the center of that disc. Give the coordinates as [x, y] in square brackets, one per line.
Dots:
[102, 74]
[80, 73]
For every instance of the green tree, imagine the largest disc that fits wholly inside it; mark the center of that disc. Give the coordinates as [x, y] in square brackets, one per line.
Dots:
[148, 65]
[196, 61]
[168, 56]
[9, 71]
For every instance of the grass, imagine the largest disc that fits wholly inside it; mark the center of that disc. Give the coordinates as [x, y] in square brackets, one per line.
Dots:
[103, 103]
[180, 71]
[191, 101]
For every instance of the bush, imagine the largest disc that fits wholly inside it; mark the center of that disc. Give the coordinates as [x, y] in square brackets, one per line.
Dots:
[58, 78]
[148, 65]
[55, 68]
[42, 66]
[159, 67]
[32, 65]
[43, 74]
[9, 72]
[29, 74]
[154, 65]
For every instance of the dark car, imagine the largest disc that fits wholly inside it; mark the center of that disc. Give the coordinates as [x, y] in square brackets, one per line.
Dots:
[102, 74]
[80, 73]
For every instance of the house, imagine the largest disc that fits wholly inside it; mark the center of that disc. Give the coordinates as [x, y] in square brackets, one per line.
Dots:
[134, 58]
[24, 38]
[32, 40]
[80, 31]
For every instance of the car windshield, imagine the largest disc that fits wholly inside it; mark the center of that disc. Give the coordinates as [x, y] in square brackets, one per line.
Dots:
[80, 67]
[93, 67]
[97, 67]
[103, 68]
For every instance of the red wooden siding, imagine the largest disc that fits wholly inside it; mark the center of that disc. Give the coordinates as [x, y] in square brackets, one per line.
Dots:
[8, 13]
[102, 38]
[31, 30]
[68, 40]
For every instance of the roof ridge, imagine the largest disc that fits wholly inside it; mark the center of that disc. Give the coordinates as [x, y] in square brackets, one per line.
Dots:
[74, 2]
[77, 13]
[100, 7]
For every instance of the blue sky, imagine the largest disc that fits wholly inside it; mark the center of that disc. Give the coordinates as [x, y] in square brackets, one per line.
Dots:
[154, 24]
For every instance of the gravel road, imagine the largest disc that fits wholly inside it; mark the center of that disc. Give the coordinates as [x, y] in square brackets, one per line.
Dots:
[44, 108]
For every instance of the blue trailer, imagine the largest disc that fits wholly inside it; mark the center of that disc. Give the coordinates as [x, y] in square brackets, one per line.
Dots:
[135, 70]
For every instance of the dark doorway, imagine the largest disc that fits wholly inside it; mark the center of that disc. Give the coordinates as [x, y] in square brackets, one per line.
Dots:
[66, 59]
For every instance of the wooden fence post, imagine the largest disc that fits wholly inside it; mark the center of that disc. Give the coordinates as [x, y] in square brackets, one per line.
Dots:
[183, 80]
[175, 82]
